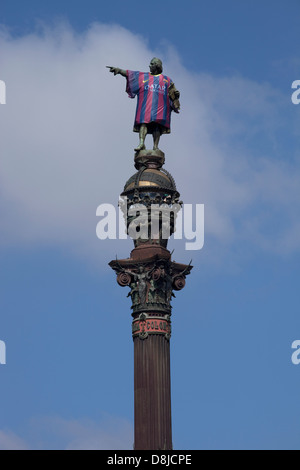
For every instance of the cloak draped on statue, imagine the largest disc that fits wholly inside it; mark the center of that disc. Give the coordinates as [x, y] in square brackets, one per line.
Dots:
[153, 102]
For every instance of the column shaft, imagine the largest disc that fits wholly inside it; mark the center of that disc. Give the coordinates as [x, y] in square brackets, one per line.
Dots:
[152, 393]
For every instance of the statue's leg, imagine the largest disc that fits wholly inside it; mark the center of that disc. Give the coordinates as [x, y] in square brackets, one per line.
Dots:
[142, 136]
[156, 137]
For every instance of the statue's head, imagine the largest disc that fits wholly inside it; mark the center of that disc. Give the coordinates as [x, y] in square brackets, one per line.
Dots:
[156, 66]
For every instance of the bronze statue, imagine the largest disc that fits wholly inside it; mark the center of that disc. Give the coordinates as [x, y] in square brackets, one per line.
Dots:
[139, 283]
[157, 97]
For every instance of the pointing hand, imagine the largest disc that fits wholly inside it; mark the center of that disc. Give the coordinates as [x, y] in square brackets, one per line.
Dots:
[114, 70]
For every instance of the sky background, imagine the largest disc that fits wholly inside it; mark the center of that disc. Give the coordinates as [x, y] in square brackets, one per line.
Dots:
[67, 147]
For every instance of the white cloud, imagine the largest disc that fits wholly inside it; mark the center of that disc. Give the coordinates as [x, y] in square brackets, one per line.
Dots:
[67, 143]
[83, 434]
[10, 441]
[54, 432]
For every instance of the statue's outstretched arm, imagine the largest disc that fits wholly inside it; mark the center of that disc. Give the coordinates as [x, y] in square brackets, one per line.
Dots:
[117, 71]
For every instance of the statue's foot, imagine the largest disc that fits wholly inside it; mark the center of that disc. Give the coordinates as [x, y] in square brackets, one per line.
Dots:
[140, 147]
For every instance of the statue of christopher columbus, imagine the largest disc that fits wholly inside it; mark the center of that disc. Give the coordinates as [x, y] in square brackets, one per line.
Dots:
[157, 97]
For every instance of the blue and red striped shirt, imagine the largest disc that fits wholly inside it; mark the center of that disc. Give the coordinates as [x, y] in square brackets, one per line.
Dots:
[153, 102]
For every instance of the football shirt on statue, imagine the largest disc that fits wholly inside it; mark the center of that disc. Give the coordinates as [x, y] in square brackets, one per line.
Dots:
[153, 101]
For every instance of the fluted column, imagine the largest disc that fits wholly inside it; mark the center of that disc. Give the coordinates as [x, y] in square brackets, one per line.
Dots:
[152, 393]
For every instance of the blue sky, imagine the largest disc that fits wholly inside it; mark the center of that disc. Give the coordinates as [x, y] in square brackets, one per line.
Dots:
[68, 381]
